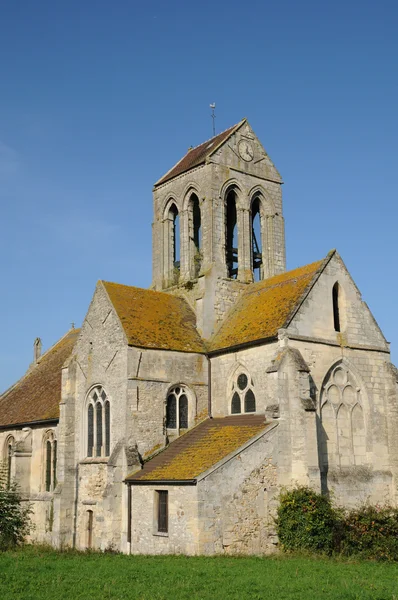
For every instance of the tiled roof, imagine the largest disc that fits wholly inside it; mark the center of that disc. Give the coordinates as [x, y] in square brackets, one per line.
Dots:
[37, 395]
[197, 156]
[264, 308]
[155, 319]
[200, 448]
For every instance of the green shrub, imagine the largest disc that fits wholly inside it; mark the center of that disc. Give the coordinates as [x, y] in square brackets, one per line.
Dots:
[372, 532]
[307, 521]
[15, 523]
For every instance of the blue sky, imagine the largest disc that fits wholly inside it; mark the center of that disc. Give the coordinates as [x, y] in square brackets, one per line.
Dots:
[99, 99]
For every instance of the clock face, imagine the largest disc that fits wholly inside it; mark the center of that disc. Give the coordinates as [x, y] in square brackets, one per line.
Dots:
[245, 150]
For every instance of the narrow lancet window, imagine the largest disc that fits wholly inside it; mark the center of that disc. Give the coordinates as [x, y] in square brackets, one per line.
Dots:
[98, 410]
[336, 308]
[171, 412]
[90, 430]
[48, 466]
[183, 411]
[231, 236]
[257, 252]
[54, 463]
[10, 453]
[107, 428]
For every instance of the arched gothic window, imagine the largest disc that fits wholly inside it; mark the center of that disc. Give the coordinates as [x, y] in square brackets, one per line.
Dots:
[243, 399]
[195, 234]
[9, 448]
[50, 461]
[336, 306]
[231, 235]
[175, 236]
[257, 251]
[177, 408]
[342, 421]
[98, 423]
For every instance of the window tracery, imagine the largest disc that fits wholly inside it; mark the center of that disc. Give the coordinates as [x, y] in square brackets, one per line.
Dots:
[343, 436]
[243, 399]
[98, 423]
[177, 408]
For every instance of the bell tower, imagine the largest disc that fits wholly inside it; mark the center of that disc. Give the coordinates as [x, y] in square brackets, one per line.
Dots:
[218, 224]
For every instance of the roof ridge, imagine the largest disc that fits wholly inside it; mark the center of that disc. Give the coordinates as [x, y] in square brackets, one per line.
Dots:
[215, 136]
[184, 165]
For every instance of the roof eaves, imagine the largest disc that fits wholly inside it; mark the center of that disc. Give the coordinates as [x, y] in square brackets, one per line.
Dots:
[160, 481]
[29, 423]
[202, 351]
[242, 346]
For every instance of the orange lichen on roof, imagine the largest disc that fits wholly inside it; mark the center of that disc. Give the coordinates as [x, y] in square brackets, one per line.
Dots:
[155, 319]
[264, 308]
[201, 448]
[197, 156]
[37, 395]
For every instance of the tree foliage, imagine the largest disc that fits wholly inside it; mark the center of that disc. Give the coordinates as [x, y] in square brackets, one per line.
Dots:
[15, 522]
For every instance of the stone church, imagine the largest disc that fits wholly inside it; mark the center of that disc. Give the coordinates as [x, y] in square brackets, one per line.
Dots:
[170, 421]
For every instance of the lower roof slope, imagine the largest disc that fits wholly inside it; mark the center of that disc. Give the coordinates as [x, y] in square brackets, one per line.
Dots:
[37, 395]
[265, 307]
[200, 449]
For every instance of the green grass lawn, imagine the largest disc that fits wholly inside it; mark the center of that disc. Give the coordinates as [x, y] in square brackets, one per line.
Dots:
[37, 573]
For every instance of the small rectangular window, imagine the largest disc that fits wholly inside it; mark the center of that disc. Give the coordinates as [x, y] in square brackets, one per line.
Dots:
[163, 511]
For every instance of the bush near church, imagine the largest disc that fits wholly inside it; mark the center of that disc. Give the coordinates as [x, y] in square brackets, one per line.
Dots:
[308, 521]
[15, 523]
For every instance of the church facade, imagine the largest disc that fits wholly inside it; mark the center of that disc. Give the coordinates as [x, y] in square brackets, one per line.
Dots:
[170, 421]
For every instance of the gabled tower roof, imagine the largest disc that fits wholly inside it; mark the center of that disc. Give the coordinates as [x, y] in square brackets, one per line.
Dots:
[197, 156]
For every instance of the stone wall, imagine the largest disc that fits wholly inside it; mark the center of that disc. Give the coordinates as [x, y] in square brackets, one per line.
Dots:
[182, 537]
[237, 501]
[28, 471]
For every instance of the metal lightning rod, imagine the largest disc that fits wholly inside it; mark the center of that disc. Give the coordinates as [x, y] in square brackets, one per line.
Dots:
[213, 116]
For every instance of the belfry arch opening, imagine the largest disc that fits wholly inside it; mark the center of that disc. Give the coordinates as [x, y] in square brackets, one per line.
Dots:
[256, 237]
[195, 235]
[231, 235]
[174, 217]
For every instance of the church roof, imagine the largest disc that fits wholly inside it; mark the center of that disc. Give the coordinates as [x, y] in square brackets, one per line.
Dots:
[201, 448]
[37, 395]
[265, 307]
[155, 319]
[197, 156]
